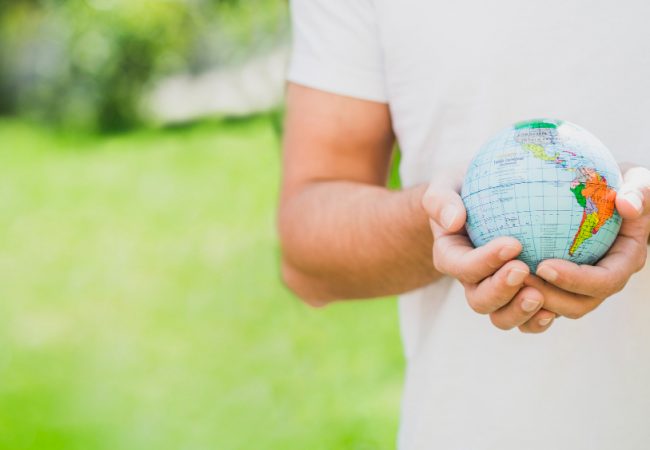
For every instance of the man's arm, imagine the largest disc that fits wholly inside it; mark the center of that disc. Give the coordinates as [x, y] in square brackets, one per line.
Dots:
[343, 234]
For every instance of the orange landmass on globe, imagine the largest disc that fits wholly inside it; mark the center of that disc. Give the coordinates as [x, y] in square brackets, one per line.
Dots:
[598, 199]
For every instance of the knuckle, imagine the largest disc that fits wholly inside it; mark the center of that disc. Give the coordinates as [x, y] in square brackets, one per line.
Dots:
[497, 322]
[465, 274]
[466, 277]
[503, 297]
[493, 262]
[477, 300]
[477, 305]
[572, 315]
[438, 265]
[527, 329]
[440, 262]
[500, 287]
[618, 287]
[577, 286]
[641, 260]
[569, 283]
[460, 276]
[575, 312]
[613, 284]
[541, 330]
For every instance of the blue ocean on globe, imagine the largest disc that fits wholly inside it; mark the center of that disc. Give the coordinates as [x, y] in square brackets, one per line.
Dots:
[550, 184]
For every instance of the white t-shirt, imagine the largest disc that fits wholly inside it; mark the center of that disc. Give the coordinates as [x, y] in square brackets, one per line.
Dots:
[454, 73]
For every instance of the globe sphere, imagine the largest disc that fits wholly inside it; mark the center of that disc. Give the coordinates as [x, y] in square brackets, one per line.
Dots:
[548, 183]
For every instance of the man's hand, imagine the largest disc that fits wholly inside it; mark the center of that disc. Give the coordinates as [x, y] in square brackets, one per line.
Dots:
[492, 278]
[574, 290]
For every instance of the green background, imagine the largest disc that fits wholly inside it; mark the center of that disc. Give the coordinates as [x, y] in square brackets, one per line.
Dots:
[141, 305]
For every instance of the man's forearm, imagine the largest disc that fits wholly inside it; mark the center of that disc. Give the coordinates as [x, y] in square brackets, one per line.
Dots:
[345, 240]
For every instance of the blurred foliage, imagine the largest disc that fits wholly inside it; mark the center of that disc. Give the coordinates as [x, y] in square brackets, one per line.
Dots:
[142, 307]
[87, 63]
[394, 179]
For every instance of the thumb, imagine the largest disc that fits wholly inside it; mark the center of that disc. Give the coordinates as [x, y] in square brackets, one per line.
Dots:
[443, 204]
[633, 199]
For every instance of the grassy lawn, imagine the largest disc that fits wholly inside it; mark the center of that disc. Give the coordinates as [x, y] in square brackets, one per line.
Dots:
[140, 304]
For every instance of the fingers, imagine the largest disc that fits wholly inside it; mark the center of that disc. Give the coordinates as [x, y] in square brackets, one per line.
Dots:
[581, 279]
[626, 257]
[497, 290]
[443, 204]
[573, 290]
[540, 322]
[633, 199]
[521, 309]
[561, 302]
[453, 254]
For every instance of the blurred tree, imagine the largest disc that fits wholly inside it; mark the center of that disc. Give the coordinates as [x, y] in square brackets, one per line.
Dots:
[86, 63]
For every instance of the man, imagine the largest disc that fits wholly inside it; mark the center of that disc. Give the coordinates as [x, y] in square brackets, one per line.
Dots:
[441, 78]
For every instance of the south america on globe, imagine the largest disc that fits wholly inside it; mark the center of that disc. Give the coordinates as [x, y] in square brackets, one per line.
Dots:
[548, 183]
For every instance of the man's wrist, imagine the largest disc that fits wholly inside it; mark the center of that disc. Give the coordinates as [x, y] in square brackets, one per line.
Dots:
[419, 222]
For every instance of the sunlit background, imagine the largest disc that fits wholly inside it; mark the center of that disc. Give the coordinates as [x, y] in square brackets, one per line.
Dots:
[140, 301]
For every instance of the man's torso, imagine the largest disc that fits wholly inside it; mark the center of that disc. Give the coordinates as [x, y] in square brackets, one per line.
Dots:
[457, 72]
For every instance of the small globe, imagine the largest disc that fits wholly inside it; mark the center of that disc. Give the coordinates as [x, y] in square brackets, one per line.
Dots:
[550, 184]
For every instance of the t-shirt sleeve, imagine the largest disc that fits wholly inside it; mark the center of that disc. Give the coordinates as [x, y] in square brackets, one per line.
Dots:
[336, 48]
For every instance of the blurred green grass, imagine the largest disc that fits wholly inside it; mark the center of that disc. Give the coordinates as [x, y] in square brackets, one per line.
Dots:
[141, 308]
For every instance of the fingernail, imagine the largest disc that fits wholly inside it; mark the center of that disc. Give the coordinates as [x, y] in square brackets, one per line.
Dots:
[508, 252]
[635, 199]
[547, 273]
[515, 277]
[448, 216]
[529, 305]
[544, 322]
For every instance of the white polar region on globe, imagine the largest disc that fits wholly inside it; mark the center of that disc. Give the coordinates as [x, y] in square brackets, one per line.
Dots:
[548, 183]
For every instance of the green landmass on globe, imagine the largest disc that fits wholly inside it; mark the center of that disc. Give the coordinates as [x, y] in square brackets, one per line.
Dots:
[550, 184]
